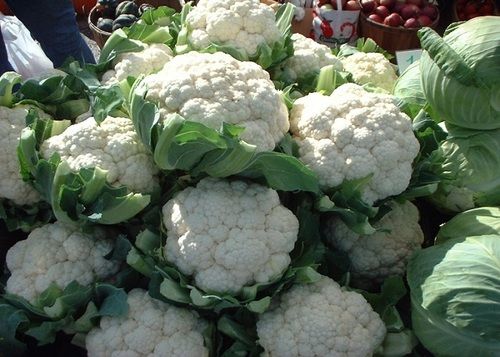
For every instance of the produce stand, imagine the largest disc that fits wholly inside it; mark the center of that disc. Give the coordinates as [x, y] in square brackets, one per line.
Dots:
[196, 193]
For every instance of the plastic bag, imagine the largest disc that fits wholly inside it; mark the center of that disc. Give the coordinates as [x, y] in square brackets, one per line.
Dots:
[335, 27]
[24, 53]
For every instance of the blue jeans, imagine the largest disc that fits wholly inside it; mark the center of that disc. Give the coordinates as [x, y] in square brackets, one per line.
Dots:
[53, 24]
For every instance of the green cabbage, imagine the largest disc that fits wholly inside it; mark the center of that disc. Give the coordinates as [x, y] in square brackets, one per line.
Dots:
[461, 72]
[470, 170]
[455, 296]
[474, 222]
[408, 90]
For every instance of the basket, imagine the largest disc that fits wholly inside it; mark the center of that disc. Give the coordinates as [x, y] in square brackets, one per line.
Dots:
[100, 36]
[391, 39]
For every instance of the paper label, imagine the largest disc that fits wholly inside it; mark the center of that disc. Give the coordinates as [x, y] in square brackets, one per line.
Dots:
[405, 58]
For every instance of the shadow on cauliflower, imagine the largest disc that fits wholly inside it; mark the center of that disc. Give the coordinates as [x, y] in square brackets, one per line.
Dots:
[151, 328]
[229, 234]
[12, 187]
[112, 145]
[58, 253]
[318, 320]
[384, 253]
[371, 68]
[308, 58]
[215, 88]
[353, 134]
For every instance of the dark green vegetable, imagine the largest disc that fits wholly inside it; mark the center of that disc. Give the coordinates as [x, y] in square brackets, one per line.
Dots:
[105, 24]
[124, 20]
[127, 7]
[143, 7]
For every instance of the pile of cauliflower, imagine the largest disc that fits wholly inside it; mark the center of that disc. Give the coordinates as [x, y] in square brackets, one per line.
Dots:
[226, 238]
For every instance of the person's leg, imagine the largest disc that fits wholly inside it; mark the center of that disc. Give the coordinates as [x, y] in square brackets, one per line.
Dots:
[53, 24]
[5, 65]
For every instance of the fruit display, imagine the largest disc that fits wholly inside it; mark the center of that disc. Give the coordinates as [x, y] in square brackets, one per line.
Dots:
[468, 9]
[114, 14]
[409, 14]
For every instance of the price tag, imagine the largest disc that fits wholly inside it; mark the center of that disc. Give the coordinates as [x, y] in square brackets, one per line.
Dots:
[406, 58]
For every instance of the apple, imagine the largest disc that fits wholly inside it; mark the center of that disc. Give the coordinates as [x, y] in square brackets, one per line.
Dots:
[382, 11]
[387, 3]
[415, 2]
[352, 5]
[398, 6]
[424, 20]
[411, 23]
[431, 11]
[327, 7]
[409, 10]
[393, 20]
[376, 18]
[368, 5]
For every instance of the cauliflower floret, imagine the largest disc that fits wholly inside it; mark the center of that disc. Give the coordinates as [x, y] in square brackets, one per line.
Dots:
[229, 234]
[151, 328]
[309, 57]
[150, 60]
[12, 187]
[216, 88]
[244, 24]
[371, 68]
[352, 134]
[113, 145]
[58, 253]
[322, 320]
[382, 254]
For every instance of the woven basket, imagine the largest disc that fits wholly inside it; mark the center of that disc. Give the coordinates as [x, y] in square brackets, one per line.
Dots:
[391, 39]
[100, 36]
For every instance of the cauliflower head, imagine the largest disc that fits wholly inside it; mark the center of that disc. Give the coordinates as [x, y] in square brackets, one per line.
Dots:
[12, 187]
[309, 57]
[243, 24]
[151, 328]
[150, 60]
[58, 253]
[371, 68]
[352, 134]
[320, 320]
[112, 145]
[229, 234]
[216, 88]
[382, 254]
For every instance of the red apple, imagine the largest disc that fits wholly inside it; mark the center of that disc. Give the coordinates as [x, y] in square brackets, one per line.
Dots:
[398, 6]
[376, 18]
[393, 20]
[431, 11]
[368, 5]
[414, 2]
[411, 23]
[409, 10]
[424, 20]
[387, 3]
[382, 11]
[352, 5]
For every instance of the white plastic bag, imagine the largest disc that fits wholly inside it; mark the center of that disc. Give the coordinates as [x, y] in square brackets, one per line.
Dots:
[335, 27]
[24, 53]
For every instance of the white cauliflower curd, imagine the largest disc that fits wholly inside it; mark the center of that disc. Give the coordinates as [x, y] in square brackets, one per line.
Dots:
[216, 88]
[320, 320]
[229, 234]
[352, 134]
[151, 328]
